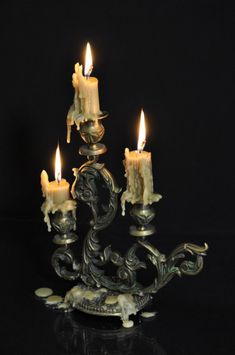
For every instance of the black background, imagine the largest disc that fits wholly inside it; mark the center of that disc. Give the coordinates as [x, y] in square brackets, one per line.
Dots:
[174, 59]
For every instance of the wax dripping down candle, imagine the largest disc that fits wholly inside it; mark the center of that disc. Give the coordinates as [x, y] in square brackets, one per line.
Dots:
[138, 171]
[86, 97]
[56, 193]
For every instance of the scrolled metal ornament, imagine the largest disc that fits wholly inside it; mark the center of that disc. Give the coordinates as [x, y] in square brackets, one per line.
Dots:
[65, 224]
[88, 177]
[120, 294]
[64, 256]
[168, 267]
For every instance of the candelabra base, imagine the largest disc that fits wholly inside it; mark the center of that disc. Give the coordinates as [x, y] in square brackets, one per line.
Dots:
[103, 302]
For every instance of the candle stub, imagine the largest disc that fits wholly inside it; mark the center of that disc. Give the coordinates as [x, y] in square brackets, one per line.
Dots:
[57, 198]
[138, 171]
[56, 191]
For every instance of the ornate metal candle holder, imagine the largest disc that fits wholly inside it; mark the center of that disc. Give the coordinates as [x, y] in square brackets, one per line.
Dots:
[121, 294]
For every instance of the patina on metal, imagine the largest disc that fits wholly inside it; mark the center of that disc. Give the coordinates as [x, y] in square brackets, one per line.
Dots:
[92, 131]
[92, 181]
[65, 224]
[142, 215]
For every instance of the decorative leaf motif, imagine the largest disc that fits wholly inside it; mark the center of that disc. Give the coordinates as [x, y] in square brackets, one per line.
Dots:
[92, 272]
[167, 269]
[64, 255]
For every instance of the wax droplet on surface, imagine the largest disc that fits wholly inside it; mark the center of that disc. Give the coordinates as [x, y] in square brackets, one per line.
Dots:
[65, 306]
[148, 314]
[43, 292]
[111, 300]
[54, 300]
[127, 323]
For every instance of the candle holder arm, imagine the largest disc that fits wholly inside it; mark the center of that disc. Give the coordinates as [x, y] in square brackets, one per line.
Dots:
[168, 267]
[65, 224]
[94, 258]
[64, 255]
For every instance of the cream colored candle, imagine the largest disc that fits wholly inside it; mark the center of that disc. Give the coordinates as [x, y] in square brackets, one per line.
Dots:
[56, 193]
[87, 88]
[86, 98]
[138, 171]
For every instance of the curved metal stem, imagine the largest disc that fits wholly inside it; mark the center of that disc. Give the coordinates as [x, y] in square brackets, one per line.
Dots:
[167, 267]
[65, 224]
[90, 179]
[64, 255]
[94, 258]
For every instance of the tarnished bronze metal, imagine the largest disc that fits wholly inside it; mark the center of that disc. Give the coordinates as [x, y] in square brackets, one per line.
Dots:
[92, 149]
[99, 307]
[92, 132]
[93, 181]
[65, 224]
[142, 215]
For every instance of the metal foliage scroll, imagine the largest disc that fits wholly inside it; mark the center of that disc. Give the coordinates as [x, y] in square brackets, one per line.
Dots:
[91, 269]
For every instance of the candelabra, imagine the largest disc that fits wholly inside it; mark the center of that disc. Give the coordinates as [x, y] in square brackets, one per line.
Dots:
[98, 293]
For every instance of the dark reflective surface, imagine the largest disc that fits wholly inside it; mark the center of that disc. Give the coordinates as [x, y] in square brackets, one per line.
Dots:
[195, 315]
[79, 335]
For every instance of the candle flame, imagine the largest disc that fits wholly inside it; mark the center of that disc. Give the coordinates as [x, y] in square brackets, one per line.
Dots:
[88, 61]
[142, 133]
[57, 164]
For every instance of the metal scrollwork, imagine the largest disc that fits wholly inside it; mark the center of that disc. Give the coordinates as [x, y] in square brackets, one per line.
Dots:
[93, 180]
[94, 258]
[168, 267]
[64, 255]
[65, 224]
[86, 190]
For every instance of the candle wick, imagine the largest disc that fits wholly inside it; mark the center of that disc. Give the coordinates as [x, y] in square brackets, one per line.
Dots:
[142, 145]
[89, 72]
[58, 178]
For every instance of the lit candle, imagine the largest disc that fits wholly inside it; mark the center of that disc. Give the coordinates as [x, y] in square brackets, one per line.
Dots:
[138, 171]
[86, 98]
[56, 192]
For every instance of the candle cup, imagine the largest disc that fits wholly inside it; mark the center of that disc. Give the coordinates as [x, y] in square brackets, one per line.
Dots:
[142, 215]
[92, 132]
[64, 223]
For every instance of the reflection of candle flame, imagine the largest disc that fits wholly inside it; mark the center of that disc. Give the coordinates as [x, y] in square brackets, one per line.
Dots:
[57, 164]
[142, 133]
[88, 61]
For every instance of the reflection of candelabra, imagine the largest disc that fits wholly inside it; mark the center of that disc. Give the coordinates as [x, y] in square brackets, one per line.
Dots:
[74, 337]
[121, 294]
